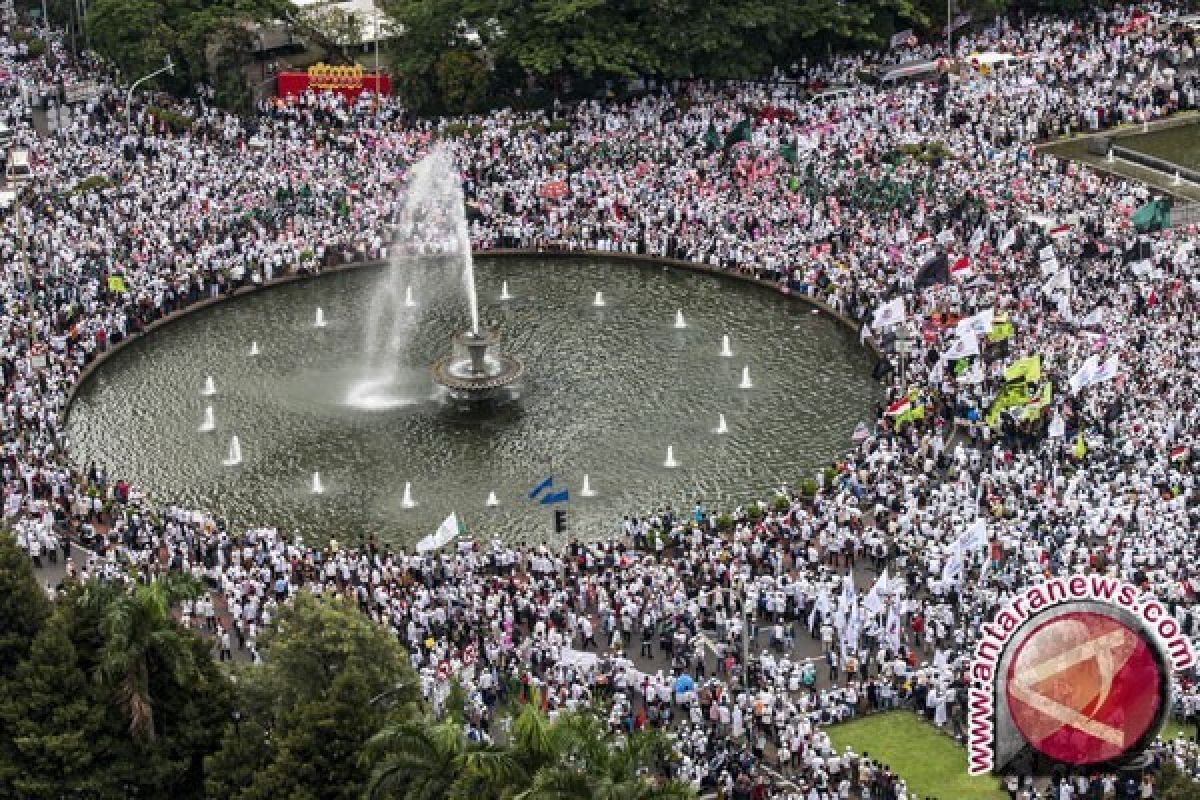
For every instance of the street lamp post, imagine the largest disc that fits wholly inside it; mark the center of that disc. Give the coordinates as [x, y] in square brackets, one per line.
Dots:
[169, 67]
[903, 347]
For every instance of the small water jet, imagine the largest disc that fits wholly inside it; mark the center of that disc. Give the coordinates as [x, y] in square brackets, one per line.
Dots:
[209, 424]
[598, 300]
[726, 350]
[317, 486]
[504, 295]
[492, 502]
[210, 388]
[670, 463]
[407, 501]
[409, 302]
[679, 321]
[721, 426]
[319, 322]
[254, 348]
[235, 452]
[746, 383]
[587, 490]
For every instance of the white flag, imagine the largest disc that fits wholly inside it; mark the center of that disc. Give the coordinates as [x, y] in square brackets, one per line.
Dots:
[1046, 253]
[1059, 281]
[1010, 238]
[447, 532]
[1083, 376]
[976, 240]
[873, 602]
[847, 599]
[1095, 318]
[1058, 427]
[937, 373]
[888, 314]
[980, 324]
[963, 346]
[1107, 370]
[953, 567]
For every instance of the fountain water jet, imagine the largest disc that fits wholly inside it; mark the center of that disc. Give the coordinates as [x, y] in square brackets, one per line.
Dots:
[726, 350]
[209, 424]
[235, 452]
[319, 322]
[679, 321]
[254, 348]
[587, 490]
[598, 301]
[492, 502]
[431, 244]
[317, 487]
[504, 295]
[210, 388]
[670, 463]
[721, 426]
[407, 501]
[746, 383]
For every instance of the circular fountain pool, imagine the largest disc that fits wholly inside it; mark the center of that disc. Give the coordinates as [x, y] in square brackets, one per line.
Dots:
[605, 391]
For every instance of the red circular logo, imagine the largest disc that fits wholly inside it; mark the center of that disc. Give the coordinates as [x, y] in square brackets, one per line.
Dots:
[1084, 687]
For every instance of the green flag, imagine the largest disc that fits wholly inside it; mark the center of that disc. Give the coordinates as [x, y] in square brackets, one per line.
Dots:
[788, 153]
[740, 133]
[1153, 216]
[1036, 406]
[711, 139]
[1024, 370]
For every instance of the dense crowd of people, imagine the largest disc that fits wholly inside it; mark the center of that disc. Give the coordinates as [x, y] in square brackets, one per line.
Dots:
[921, 209]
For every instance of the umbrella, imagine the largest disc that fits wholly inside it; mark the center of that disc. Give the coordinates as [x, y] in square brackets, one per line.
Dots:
[684, 683]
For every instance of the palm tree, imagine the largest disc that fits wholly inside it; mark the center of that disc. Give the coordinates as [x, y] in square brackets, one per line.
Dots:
[417, 760]
[592, 766]
[140, 635]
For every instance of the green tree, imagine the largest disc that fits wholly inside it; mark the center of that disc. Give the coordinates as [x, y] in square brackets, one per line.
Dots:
[138, 35]
[462, 80]
[23, 604]
[51, 721]
[141, 638]
[305, 714]
[590, 767]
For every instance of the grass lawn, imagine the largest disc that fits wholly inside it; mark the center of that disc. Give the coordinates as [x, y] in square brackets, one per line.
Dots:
[930, 762]
[1174, 727]
[1180, 145]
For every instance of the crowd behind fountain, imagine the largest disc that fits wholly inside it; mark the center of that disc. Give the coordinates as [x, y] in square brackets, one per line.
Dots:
[1100, 478]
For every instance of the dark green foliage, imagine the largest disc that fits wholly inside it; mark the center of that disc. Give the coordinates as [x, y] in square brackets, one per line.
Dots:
[138, 35]
[23, 605]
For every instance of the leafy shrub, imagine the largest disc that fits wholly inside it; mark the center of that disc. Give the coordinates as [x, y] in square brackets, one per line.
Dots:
[93, 184]
[176, 122]
[808, 487]
[724, 522]
[781, 503]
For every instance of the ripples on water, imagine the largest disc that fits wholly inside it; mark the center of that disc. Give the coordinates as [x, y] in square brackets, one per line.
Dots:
[605, 391]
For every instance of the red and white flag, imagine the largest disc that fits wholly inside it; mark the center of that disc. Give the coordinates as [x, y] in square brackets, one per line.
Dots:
[961, 269]
[901, 406]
